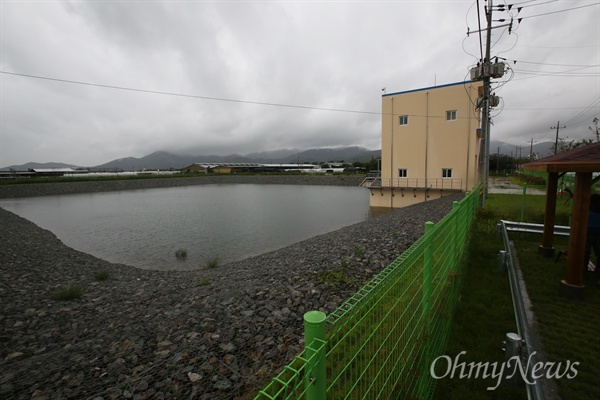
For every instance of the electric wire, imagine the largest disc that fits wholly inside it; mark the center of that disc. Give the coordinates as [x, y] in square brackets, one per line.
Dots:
[212, 98]
[558, 11]
[189, 95]
[548, 64]
[479, 33]
[558, 47]
[539, 4]
[594, 103]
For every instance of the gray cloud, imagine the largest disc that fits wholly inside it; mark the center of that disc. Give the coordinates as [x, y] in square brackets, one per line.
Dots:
[332, 55]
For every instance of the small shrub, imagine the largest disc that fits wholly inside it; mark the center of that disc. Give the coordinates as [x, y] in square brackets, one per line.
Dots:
[205, 281]
[344, 263]
[101, 275]
[332, 276]
[71, 292]
[181, 254]
[359, 251]
[338, 277]
[213, 262]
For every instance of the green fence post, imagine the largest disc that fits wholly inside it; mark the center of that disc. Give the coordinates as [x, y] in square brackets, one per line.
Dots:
[523, 201]
[455, 229]
[315, 380]
[427, 266]
[426, 309]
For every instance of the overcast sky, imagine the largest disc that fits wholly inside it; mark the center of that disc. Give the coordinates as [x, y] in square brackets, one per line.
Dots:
[313, 54]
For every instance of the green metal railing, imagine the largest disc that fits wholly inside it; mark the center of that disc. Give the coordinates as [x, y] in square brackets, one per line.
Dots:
[380, 343]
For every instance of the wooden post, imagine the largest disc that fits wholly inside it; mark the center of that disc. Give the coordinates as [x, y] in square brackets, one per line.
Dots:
[546, 248]
[573, 286]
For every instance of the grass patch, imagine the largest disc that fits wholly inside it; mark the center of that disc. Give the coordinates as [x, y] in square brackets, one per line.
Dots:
[340, 276]
[337, 277]
[181, 254]
[483, 317]
[101, 275]
[213, 262]
[569, 329]
[204, 281]
[359, 251]
[71, 292]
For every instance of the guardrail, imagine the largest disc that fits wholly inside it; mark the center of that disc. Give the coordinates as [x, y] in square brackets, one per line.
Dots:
[413, 183]
[522, 344]
[560, 230]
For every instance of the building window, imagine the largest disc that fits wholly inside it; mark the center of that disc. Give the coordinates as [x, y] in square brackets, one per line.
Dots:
[446, 172]
[403, 120]
[451, 115]
[402, 173]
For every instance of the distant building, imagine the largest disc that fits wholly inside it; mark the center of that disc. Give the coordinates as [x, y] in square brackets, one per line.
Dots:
[43, 173]
[429, 144]
[230, 168]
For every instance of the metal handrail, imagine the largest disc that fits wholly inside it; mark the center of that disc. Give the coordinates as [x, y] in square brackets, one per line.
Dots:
[413, 183]
[560, 230]
[511, 262]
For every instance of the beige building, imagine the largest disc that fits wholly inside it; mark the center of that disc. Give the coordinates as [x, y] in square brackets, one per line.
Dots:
[430, 144]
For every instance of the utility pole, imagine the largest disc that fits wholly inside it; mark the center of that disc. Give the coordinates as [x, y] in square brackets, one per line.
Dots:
[531, 150]
[557, 127]
[485, 71]
[498, 160]
[596, 130]
[485, 119]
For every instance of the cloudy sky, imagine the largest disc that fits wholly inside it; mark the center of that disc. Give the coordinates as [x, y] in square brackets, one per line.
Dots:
[222, 77]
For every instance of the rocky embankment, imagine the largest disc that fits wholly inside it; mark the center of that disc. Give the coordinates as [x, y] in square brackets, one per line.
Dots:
[218, 333]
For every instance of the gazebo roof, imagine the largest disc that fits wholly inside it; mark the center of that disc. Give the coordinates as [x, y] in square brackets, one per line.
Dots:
[581, 159]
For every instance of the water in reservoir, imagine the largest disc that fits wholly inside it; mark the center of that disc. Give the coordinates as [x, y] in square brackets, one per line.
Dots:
[145, 228]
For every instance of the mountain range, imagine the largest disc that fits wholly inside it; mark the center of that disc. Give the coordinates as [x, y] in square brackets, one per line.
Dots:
[165, 160]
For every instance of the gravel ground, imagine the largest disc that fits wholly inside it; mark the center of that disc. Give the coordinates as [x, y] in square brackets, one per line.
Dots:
[208, 334]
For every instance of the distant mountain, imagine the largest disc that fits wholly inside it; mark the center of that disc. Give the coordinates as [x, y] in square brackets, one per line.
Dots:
[543, 149]
[165, 160]
[34, 165]
[347, 154]
[269, 156]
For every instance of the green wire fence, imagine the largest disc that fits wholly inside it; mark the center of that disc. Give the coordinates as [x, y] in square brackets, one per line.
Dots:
[380, 343]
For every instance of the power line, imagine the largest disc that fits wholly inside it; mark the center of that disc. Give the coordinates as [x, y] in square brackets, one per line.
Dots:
[550, 64]
[592, 104]
[479, 24]
[215, 98]
[547, 108]
[539, 4]
[558, 47]
[564, 74]
[189, 95]
[559, 11]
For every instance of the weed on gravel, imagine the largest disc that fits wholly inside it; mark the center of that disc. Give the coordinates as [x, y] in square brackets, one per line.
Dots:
[71, 292]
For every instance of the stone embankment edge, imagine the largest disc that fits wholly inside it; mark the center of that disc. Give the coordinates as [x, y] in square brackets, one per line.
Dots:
[76, 187]
[163, 334]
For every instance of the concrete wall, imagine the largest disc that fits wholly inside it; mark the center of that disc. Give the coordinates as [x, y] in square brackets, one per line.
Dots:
[399, 198]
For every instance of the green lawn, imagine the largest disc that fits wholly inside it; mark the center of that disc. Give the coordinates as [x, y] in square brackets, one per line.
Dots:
[569, 329]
